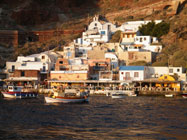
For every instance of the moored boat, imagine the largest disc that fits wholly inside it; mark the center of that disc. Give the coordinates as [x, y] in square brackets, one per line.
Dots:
[59, 99]
[68, 97]
[131, 93]
[118, 95]
[19, 92]
[184, 95]
[168, 95]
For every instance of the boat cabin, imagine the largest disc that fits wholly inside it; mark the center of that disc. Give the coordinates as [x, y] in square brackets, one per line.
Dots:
[14, 89]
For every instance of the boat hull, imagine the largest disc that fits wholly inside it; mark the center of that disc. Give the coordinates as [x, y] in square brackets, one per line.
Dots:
[169, 95]
[184, 95]
[118, 96]
[65, 100]
[19, 95]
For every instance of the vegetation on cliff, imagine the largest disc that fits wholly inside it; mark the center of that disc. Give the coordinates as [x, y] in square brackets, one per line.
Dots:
[153, 29]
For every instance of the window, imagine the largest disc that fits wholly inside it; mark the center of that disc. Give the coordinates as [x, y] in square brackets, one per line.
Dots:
[140, 39]
[61, 62]
[136, 39]
[131, 47]
[43, 57]
[136, 74]
[127, 74]
[95, 24]
[13, 67]
[144, 38]
[178, 70]
[128, 36]
[109, 27]
[44, 68]
[22, 73]
[170, 70]
[103, 32]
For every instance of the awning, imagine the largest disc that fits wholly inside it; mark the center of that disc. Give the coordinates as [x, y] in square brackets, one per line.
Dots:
[22, 79]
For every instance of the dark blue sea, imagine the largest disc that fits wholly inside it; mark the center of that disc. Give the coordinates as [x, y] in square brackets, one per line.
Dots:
[103, 118]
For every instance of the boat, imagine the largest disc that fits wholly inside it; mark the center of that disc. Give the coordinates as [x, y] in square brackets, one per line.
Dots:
[73, 96]
[168, 95]
[184, 95]
[131, 93]
[118, 95]
[19, 92]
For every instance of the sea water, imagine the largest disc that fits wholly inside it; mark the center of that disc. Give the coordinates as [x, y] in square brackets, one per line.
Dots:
[103, 118]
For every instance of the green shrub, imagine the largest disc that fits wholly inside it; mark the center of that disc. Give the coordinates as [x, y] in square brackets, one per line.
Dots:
[156, 30]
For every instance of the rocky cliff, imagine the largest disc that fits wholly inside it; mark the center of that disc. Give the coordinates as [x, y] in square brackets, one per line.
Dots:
[34, 14]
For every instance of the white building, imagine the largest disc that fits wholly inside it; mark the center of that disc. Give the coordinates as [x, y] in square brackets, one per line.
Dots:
[149, 43]
[134, 25]
[39, 62]
[97, 32]
[96, 24]
[130, 41]
[132, 73]
[113, 58]
[155, 72]
[93, 37]
[82, 51]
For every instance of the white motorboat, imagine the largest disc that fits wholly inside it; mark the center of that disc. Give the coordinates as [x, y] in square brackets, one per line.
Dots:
[118, 95]
[19, 92]
[169, 95]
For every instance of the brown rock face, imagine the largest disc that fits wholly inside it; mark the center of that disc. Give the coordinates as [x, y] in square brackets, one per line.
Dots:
[34, 12]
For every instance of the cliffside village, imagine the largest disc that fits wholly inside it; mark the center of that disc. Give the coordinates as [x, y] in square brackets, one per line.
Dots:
[92, 61]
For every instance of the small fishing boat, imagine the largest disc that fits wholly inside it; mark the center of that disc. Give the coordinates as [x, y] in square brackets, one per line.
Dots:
[118, 95]
[68, 97]
[184, 95]
[169, 95]
[130, 93]
[19, 92]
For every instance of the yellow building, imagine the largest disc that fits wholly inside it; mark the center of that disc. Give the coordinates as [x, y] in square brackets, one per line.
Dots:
[168, 81]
